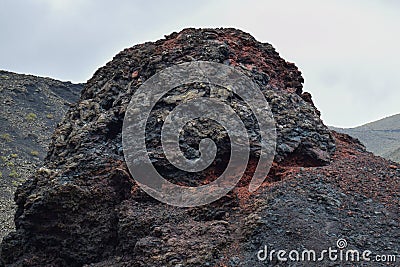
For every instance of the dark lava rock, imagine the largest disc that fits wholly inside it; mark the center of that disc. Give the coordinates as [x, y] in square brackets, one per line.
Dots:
[83, 207]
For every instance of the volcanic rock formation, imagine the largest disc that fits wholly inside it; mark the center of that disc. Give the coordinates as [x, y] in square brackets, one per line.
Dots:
[83, 206]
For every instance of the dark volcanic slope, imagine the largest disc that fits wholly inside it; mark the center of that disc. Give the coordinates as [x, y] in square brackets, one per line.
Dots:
[30, 108]
[84, 208]
[381, 137]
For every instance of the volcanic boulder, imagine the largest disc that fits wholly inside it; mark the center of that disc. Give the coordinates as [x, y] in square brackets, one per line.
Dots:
[83, 207]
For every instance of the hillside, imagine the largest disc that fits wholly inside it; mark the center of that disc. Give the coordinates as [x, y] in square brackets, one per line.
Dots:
[393, 155]
[381, 137]
[30, 109]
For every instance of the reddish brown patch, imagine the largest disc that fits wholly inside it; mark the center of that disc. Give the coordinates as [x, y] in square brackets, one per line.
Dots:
[135, 74]
[247, 54]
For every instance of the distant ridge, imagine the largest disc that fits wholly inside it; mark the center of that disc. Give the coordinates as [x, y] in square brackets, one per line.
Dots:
[382, 137]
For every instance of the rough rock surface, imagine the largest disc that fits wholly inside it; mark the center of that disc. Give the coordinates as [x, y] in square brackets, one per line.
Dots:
[83, 208]
[30, 108]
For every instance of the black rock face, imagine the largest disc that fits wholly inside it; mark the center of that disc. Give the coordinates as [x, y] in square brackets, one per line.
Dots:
[107, 94]
[83, 206]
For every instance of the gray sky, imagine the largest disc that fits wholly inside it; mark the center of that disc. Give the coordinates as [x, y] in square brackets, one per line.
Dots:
[348, 51]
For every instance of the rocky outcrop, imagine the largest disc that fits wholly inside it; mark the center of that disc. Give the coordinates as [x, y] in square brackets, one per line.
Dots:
[30, 108]
[83, 207]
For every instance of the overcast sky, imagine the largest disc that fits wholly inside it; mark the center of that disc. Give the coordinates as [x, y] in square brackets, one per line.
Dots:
[348, 51]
